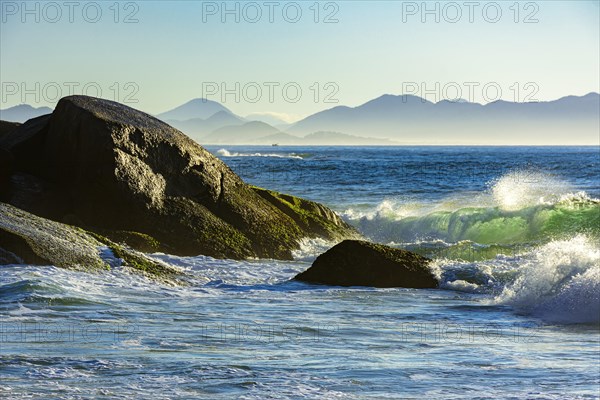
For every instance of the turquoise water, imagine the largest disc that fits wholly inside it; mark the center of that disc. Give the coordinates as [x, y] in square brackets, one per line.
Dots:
[514, 235]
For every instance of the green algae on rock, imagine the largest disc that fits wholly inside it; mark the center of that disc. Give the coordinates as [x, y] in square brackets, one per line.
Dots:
[27, 238]
[309, 215]
[38, 240]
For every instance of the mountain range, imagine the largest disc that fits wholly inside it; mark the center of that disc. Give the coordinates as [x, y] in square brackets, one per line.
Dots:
[388, 120]
[22, 113]
[209, 122]
[411, 119]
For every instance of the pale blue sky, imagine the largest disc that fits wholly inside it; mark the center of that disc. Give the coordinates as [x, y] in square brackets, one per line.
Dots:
[171, 52]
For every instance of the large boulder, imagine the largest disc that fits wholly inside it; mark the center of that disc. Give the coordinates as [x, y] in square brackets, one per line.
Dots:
[360, 263]
[109, 168]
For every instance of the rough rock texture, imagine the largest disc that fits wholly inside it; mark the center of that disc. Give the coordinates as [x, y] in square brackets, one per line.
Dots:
[360, 263]
[308, 215]
[107, 167]
[27, 238]
[40, 241]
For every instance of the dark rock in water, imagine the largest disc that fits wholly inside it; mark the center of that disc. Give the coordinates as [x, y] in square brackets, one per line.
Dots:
[107, 167]
[360, 263]
[27, 238]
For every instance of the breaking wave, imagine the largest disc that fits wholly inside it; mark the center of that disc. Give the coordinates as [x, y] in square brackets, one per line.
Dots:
[558, 282]
[529, 242]
[227, 153]
[520, 207]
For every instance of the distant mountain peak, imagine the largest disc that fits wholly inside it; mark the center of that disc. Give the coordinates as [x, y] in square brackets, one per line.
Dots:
[224, 115]
[454, 101]
[200, 100]
[391, 100]
[195, 108]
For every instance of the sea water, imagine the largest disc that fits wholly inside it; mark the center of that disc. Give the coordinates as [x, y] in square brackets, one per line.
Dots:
[513, 232]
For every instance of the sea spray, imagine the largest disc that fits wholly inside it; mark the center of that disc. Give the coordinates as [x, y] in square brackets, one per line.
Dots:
[525, 187]
[560, 282]
[311, 248]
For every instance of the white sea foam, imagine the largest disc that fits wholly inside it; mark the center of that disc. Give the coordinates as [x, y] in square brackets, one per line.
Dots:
[227, 153]
[559, 282]
[460, 285]
[311, 248]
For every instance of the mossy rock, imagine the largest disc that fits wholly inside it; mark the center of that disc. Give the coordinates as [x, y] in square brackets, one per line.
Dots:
[309, 215]
[138, 241]
[139, 261]
[27, 238]
[38, 241]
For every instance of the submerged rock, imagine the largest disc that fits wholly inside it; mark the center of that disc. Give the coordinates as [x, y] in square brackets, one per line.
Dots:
[107, 167]
[27, 238]
[360, 263]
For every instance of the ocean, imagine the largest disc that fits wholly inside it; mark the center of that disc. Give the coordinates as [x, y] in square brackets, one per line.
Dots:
[514, 234]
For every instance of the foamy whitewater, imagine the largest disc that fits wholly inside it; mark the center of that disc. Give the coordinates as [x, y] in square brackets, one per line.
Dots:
[514, 237]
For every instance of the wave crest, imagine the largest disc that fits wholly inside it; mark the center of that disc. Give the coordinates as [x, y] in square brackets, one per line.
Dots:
[488, 225]
[520, 207]
[227, 153]
[560, 282]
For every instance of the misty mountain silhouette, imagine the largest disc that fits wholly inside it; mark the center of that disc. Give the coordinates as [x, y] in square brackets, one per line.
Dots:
[248, 132]
[267, 118]
[22, 113]
[196, 108]
[198, 127]
[411, 119]
[389, 119]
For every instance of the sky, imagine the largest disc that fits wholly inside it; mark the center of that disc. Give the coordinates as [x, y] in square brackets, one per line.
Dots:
[296, 58]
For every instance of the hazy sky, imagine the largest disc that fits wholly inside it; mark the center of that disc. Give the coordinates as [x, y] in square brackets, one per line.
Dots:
[177, 51]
